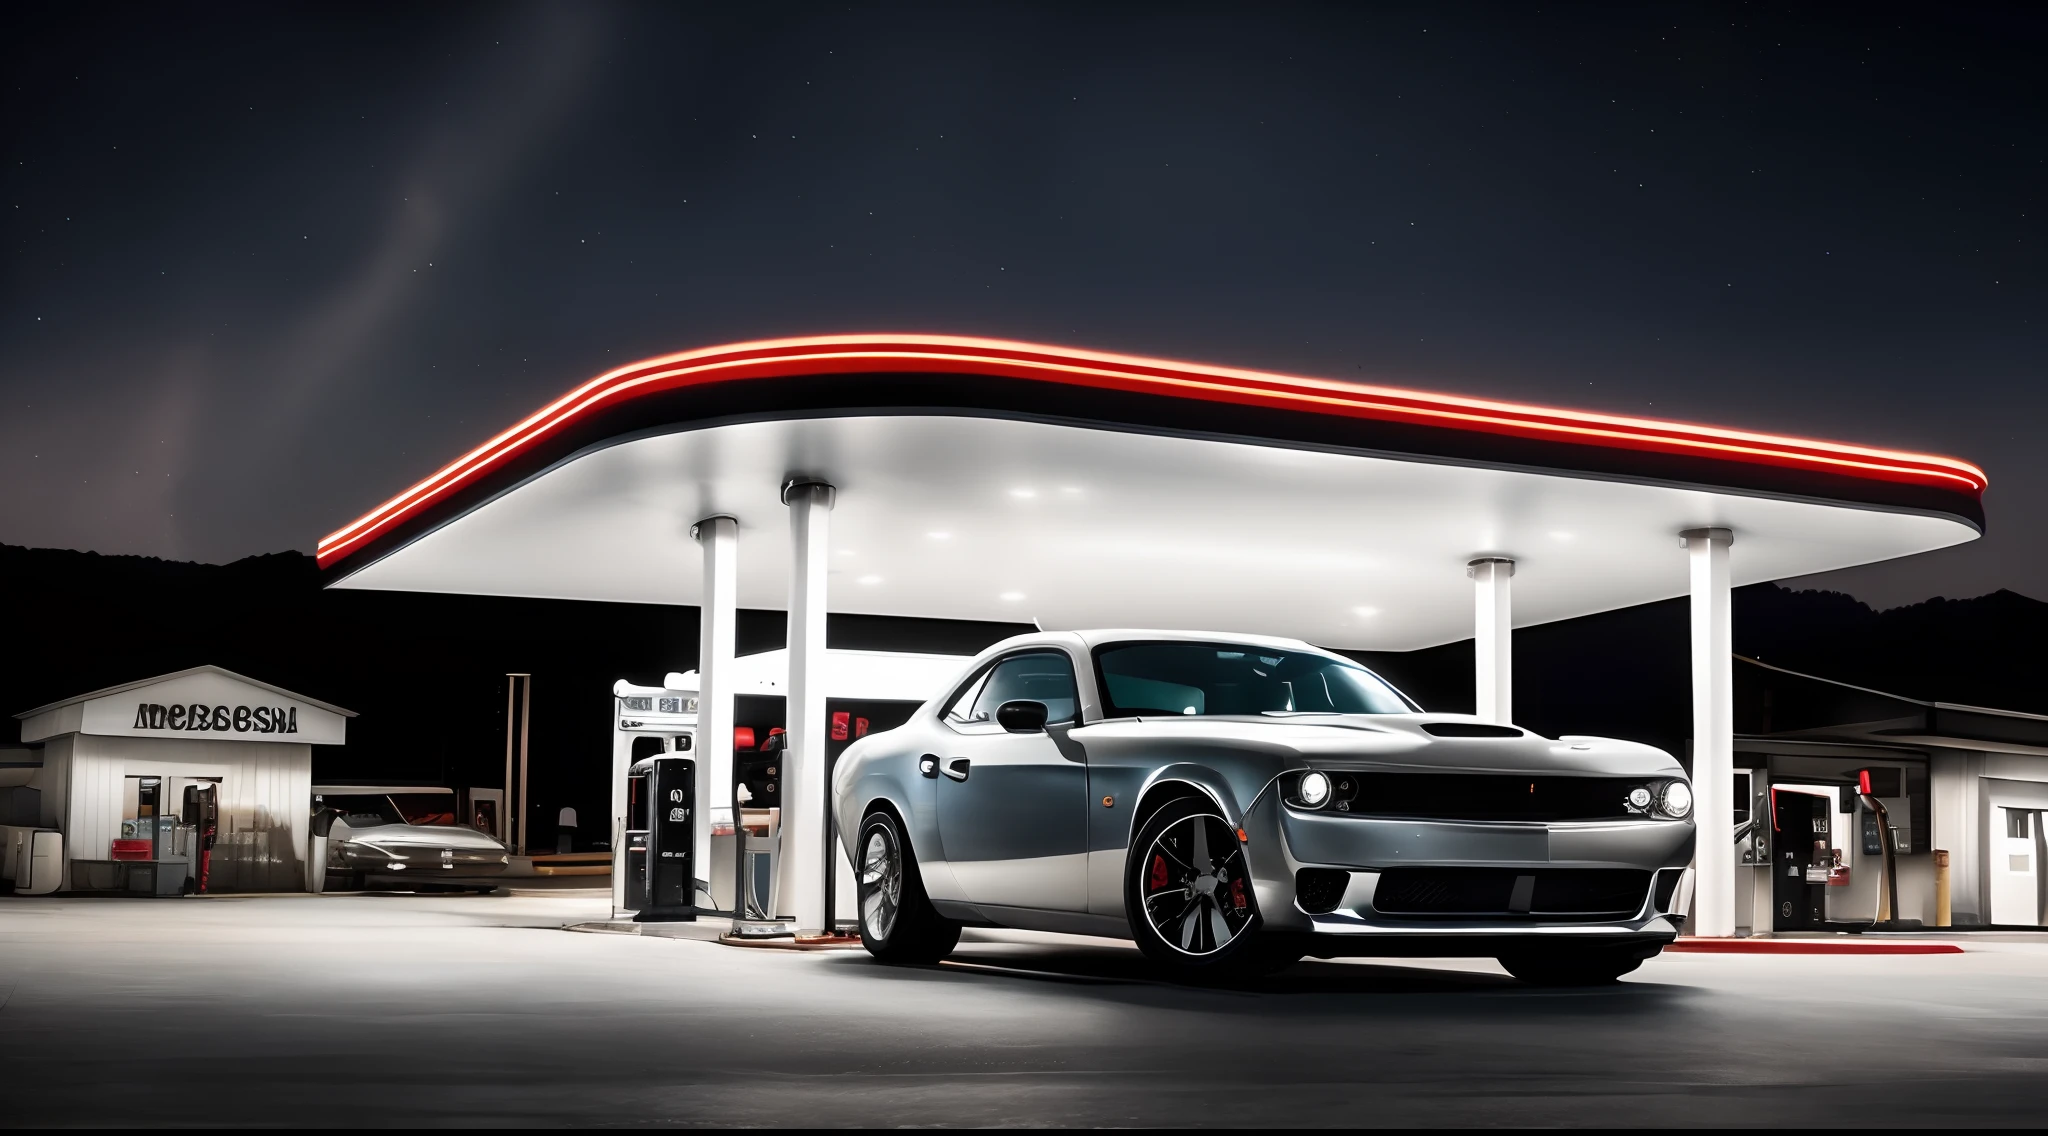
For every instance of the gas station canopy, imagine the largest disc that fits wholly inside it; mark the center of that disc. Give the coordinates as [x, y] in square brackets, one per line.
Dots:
[976, 479]
[980, 479]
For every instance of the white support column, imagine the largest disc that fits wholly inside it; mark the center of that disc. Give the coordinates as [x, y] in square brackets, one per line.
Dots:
[1493, 644]
[802, 870]
[719, 538]
[1713, 732]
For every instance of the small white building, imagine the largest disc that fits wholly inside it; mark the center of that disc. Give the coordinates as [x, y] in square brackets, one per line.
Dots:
[120, 765]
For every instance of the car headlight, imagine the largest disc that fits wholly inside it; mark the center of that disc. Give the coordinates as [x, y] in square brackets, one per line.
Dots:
[1314, 789]
[1640, 797]
[1676, 800]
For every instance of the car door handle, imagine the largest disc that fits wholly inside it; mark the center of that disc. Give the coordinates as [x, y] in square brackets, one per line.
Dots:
[956, 768]
[928, 765]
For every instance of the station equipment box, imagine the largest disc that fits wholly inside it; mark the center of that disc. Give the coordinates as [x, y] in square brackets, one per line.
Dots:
[661, 833]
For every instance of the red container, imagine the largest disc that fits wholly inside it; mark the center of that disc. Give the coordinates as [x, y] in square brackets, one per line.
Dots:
[131, 850]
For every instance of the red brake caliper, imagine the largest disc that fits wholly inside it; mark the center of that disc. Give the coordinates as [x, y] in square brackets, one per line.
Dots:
[1158, 872]
[1237, 893]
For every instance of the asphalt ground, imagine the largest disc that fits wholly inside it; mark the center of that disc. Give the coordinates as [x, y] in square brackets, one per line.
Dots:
[383, 1010]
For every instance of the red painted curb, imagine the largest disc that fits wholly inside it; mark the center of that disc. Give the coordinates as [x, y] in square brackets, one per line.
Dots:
[1809, 947]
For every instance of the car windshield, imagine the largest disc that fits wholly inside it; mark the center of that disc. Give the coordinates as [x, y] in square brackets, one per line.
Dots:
[1155, 679]
[364, 810]
[426, 808]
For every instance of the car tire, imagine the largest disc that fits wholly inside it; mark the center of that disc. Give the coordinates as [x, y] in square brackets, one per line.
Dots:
[1579, 967]
[898, 923]
[1189, 898]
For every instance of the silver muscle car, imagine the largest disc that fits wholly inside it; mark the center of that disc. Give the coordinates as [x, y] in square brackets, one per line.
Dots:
[1234, 803]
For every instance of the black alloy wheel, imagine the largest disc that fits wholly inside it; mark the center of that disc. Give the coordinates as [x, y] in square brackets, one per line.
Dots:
[897, 921]
[1188, 893]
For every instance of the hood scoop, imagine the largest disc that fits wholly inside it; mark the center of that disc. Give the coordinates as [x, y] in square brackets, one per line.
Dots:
[1471, 730]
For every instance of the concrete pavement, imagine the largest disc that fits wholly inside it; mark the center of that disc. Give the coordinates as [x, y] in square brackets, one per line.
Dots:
[375, 1010]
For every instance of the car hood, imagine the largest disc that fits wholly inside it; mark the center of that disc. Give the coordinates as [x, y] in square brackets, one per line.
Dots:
[1399, 742]
[424, 835]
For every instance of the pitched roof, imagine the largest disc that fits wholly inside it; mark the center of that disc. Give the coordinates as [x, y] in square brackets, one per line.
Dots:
[207, 669]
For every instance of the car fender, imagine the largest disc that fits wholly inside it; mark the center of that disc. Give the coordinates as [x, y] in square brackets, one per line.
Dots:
[883, 767]
[863, 776]
[1230, 794]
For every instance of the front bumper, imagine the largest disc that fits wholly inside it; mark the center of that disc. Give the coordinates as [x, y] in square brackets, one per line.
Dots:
[422, 861]
[1282, 841]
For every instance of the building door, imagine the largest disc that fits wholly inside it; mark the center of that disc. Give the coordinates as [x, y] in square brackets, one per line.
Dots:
[1799, 840]
[145, 829]
[2015, 869]
[188, 837]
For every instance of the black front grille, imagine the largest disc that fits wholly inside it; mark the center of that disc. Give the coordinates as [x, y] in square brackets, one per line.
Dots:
[1481, 796]
[1579, 892]
[1431, 891]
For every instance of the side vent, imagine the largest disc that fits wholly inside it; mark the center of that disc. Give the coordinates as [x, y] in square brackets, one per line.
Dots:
[1471, 730]
[1667, 889]
[1320, 890]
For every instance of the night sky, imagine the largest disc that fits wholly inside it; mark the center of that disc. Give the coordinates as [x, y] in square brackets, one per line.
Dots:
[267, 265]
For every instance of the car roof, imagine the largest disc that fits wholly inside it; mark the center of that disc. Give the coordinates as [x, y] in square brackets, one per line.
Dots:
[1096, 637]
[374, 790]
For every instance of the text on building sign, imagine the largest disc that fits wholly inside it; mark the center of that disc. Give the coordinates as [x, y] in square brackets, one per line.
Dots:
[217, 719]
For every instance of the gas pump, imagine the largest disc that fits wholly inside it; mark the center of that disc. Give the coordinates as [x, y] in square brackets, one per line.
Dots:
[869, 690]
[201, 810]
[650, 724]
[1802, 859]
[661, 832]
[1882, 837]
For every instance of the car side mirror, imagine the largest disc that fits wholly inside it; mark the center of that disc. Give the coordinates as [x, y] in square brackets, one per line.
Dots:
[1021, 716]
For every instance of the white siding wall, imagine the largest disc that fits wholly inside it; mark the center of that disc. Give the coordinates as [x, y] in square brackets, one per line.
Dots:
[92, 802]
[1952, 777]
[2008, 780]
[265, 794]
[1966, 787]
[54, 779]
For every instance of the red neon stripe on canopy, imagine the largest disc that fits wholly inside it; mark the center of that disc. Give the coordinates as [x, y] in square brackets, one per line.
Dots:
[786, 358]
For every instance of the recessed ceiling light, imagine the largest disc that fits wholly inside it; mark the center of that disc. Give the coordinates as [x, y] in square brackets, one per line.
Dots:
[1560, 536]
[940, 535]
[1023, 491]
[1365, 612]
[870, 579]
[1012, 597]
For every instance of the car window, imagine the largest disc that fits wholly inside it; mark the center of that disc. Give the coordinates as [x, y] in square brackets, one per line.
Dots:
[1158, 679]
[1040, 676]
[961, 710]
[365, 810]
[426, 808]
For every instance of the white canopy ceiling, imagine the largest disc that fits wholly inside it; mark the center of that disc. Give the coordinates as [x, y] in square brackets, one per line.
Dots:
[995, 518]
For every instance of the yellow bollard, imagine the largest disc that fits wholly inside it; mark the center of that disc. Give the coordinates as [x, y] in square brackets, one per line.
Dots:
[1940, 888]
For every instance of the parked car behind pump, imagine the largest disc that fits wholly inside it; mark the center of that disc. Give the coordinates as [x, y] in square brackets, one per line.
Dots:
[404, 836]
